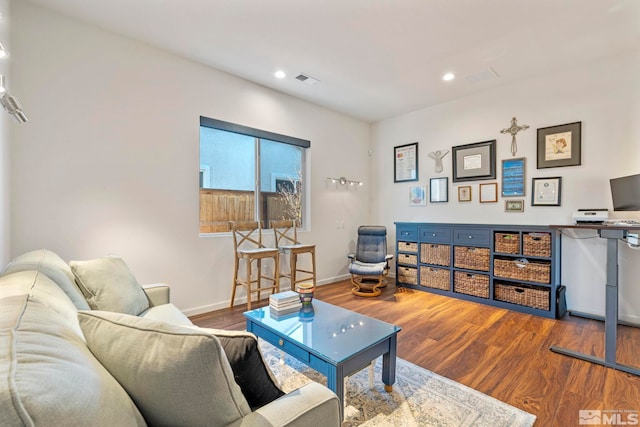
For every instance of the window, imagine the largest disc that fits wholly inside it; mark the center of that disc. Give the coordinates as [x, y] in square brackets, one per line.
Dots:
[248, 175]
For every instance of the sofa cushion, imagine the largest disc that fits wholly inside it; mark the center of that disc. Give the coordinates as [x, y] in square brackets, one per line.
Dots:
[252, 375]
[53, 266]
[109, 285]
[44, 290]
[177, 376]
[48, 376]
[166, 313]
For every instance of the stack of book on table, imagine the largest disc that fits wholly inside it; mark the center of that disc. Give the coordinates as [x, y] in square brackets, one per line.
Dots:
[284, 303]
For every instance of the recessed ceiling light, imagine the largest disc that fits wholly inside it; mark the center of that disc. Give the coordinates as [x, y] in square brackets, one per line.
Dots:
[280, 74]
[449, 76]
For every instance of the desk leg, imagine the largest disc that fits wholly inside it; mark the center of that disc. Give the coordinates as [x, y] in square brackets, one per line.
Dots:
[611, 301]
[611, 312]
[389, 365]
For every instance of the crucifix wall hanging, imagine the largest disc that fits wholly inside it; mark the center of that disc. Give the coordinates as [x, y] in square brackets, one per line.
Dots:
[513, 130]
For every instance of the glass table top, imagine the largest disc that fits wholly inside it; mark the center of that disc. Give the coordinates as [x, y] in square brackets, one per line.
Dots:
[334, 332]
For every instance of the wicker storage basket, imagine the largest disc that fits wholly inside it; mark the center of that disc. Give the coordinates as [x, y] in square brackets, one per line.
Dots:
[435, 254]
[527, 295]
[471, 258]
[471, 284]
[507, 243]
[537, 244]
[527, 271]
[437, 278]
[408, 275]
[407, 259]
[408, 246]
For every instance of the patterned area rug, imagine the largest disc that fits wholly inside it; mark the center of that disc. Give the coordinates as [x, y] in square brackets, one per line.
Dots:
[419, 397]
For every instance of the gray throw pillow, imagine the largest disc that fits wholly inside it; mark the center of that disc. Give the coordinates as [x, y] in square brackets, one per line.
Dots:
[109, 285]
[177, 376]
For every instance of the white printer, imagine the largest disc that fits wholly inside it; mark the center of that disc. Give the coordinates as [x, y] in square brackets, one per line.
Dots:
[591, 216]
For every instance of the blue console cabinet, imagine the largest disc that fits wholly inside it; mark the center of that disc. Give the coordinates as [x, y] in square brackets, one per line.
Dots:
[510, 266]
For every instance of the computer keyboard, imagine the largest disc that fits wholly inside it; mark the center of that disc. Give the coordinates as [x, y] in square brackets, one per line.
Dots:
[624, 222]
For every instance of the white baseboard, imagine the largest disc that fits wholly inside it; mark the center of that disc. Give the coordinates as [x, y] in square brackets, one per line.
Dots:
[243, 300]
[630, 319]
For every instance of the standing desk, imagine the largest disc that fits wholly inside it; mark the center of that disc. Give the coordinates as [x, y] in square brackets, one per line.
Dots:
[613, 234]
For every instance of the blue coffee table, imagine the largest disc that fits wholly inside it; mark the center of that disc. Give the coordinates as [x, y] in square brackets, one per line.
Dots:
[332, 340]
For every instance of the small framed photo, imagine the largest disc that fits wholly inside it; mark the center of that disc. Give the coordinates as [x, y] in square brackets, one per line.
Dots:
[514, 205]
[489, 193]
[546, 191]
[513, 177]
[560, 145]
[439, 190]
[474, 162]
[464, 193]
[417, 195]
[405, 162]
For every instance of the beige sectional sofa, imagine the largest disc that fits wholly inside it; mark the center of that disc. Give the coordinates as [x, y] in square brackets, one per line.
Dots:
[82, 344]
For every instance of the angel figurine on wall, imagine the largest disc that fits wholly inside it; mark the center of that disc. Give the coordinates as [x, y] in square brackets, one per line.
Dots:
[438, 155]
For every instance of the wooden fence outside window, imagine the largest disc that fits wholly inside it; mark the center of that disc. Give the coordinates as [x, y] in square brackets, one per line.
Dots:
[217, 207]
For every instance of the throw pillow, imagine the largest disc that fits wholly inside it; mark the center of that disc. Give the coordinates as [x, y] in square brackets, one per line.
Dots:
[109, 285]
[254, 378]
[177, 376]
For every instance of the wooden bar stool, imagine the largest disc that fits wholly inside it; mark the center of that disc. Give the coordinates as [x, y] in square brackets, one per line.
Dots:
[247, 241]
[287, 241]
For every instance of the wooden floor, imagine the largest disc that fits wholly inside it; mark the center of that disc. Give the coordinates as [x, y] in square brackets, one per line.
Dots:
[501, 353]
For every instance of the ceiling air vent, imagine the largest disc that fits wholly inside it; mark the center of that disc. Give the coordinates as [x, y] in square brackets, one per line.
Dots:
[482, 75]
[304, 78]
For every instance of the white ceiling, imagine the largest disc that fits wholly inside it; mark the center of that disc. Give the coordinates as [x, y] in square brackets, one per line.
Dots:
[375, 59]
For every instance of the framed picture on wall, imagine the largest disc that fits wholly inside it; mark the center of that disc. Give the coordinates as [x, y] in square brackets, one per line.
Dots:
[439, 190]
[514, 205]
[546, 191]
[489, 193]
[472, 162]
[417, 195]
[405, 163]
[560, 145]
[513, 182]
[464, 193]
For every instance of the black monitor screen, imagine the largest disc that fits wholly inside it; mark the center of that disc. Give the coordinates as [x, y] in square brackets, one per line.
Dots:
[625, 193]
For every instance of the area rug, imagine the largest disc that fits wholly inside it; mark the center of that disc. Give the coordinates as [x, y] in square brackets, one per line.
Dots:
[419, 398]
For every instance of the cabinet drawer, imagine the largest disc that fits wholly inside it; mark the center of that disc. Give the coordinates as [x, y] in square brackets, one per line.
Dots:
[471, 284]
[407, 233]
[506, 243]
[537, 244]
[527, 295]
[407, 259]
[435, 235]
[523, 269]
[408, 275]
[435, 254]
[471, 258]
[472, 236]
[407, 247]
[437, 278]
[281, 343]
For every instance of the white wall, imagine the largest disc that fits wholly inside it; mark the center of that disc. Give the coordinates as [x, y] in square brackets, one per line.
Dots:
[109, 160]
[5, 125]
[604, 96]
